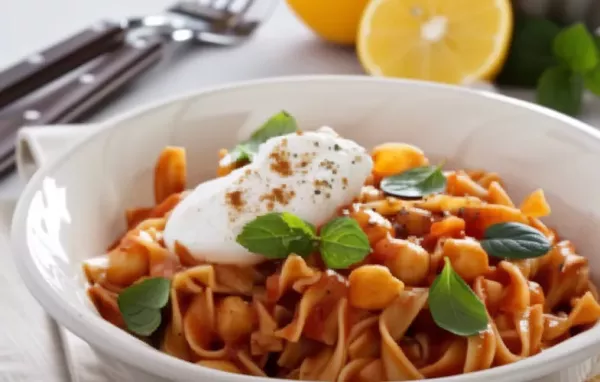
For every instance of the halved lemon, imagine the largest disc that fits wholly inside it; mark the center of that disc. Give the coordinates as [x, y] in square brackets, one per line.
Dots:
[451, 41]
[335, 21]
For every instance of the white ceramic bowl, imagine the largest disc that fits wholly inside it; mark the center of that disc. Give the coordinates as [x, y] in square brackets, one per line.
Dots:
[73, 207]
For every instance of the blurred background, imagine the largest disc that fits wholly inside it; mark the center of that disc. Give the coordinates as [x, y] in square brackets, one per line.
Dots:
[285, 45]
[543, 51]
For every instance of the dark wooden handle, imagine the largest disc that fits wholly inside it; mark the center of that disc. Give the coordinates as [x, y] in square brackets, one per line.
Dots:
[43, 67]
[71, 100]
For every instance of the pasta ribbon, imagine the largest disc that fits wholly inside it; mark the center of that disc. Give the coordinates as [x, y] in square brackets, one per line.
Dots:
[294, 318]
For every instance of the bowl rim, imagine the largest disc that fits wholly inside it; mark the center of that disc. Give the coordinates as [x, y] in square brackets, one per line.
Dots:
[143, 357]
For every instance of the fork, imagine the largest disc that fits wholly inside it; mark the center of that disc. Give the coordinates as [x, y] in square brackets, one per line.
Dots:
[126, 49]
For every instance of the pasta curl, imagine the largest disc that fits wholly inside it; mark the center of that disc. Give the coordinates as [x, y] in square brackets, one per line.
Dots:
[294, 318]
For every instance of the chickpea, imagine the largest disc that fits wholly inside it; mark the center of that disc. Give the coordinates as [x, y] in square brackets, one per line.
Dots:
[395, 158]
[374, 225]
[450, 226]
[468, 259]
[411, 221]
[407, 261]
[124, 268]
[235, 319]
[373, 287]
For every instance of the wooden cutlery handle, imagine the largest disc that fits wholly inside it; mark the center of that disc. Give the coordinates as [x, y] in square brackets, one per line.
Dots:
[41, 68]
[68, 102]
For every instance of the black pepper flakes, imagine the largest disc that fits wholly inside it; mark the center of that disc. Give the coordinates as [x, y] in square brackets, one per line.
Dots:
[317, 192]
[337, 147]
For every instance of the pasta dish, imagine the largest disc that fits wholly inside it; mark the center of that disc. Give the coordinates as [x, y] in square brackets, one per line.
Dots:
[309, 258]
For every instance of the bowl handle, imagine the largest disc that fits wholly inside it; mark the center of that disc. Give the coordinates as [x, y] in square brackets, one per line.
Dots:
[36, 146]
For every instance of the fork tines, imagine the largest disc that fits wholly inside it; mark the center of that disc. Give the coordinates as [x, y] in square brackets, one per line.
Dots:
[213, 10]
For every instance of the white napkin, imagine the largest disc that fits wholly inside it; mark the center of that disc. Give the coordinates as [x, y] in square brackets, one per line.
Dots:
[30, 349]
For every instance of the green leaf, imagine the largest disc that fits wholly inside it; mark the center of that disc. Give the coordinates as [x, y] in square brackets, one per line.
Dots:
[295, 222]
[576, 47]
[276, 235]
[243, 152]
[514, 241]
[530, 51]
[453, 305]
[560, 89]
[141, 304]
[281, 123]
[415, 183]
[592, 80]
[343, 243]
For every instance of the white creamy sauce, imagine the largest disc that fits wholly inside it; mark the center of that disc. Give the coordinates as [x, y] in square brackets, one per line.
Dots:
[309, 174]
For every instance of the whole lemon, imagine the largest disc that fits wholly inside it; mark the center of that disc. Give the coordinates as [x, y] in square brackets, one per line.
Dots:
[335, 21]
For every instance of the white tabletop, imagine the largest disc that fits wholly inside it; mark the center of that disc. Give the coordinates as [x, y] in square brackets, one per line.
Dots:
[282, 47]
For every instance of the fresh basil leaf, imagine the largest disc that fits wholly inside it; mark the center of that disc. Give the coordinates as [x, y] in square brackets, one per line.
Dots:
[560, 89]
[530, 51]
[243, 152]
[576, 47]
[514, 241]
[343, 243]
[276, 235]
[281, 123]
[294, 222]
[454, 306]
[415, 183]
[141, 304]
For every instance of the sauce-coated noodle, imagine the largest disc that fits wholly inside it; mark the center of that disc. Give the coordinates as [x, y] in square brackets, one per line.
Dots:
[295, 319]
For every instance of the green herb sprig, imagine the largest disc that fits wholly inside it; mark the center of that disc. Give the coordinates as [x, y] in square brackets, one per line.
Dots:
[454, 306]
[416, 182]
[514, 240]
[141, 305]
[277, 235]
[281, 123]
[560, 62]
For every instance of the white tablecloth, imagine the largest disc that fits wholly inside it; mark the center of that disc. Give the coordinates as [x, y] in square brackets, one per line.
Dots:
[31, 346]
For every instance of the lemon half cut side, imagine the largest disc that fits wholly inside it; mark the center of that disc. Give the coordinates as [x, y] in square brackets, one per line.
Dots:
[450, 41]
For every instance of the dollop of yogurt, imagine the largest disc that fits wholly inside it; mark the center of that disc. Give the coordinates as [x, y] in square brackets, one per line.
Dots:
[308, 174]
